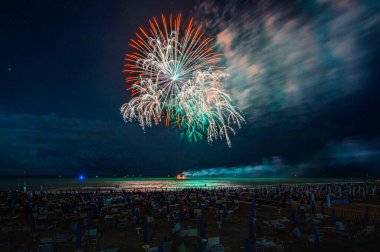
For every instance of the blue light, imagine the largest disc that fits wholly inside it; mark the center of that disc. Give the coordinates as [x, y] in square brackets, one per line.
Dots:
[81, 177]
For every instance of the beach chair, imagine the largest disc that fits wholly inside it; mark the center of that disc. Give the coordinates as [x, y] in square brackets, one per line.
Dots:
[61, 238]
[92, 236]
[167, 246]
[109, 220]
[153, 249]
[123, 223]
[212, 241]
[45, 248]
[260, 248]
[192, 232]
[46, 240]
[176, 228]
[4, 240]
[112, 250]
[339, 225]
[73, 226]
[197, 212]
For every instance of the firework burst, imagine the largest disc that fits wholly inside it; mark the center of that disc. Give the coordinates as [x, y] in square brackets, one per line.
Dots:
[174, 77]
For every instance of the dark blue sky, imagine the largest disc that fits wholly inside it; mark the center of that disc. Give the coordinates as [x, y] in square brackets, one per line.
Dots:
[61, 88]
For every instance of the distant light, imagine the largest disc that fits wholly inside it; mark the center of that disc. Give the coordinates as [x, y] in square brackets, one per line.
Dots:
[81, 177]
[180, 176]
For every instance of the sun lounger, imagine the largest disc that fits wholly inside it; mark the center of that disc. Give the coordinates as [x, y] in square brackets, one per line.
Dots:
[167, 246]
[176, 228]
[150, 219]
[190, 232]
[112, 250]
[46, 240]
[45, 248]
[339, 225]
[61, 238]
[212, 241]
[153, 249]
[123, 223]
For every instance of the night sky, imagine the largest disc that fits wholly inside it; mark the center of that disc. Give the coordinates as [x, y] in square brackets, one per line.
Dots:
[306, 76]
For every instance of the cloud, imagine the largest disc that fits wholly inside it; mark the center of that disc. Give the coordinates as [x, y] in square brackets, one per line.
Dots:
[289, 60]
[48, 144]
[350, 156]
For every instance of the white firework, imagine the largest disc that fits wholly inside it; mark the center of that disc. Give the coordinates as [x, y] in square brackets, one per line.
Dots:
[174, 78]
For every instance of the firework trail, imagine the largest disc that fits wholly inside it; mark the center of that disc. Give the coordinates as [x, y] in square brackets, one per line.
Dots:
[173, 76]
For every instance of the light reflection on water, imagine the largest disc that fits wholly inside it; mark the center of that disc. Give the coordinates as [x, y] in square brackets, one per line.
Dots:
[138, 183]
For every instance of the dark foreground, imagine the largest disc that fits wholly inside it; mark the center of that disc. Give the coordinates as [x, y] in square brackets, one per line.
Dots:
[282, 217]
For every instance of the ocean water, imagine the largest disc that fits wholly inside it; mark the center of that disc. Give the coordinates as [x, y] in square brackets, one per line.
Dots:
[35, 183]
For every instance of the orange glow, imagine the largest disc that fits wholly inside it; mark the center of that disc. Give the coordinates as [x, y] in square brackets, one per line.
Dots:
[180, 176]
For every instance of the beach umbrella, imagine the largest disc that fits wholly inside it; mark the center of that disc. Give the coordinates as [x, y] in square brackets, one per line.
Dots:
[333, 217]
[146, 231]
[295, 217]
[78, 235]
[202, 231]
[248, 245]
[125, 196]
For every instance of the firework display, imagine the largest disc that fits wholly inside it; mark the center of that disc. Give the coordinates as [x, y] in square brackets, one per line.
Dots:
[174, 77]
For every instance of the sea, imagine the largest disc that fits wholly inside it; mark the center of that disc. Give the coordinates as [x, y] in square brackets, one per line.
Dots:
[62, 183]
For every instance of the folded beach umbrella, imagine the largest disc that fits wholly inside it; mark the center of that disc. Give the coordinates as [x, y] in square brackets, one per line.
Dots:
[333, 217]
[322, 209]
[248, 245]
[78, 234]
[181, 214]
[295, 217]
[146, 231]
[328, 200]
[316, 238]
[88, 220]
[253, 207]
[32, 223]
[252, 225]
[202, 232]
